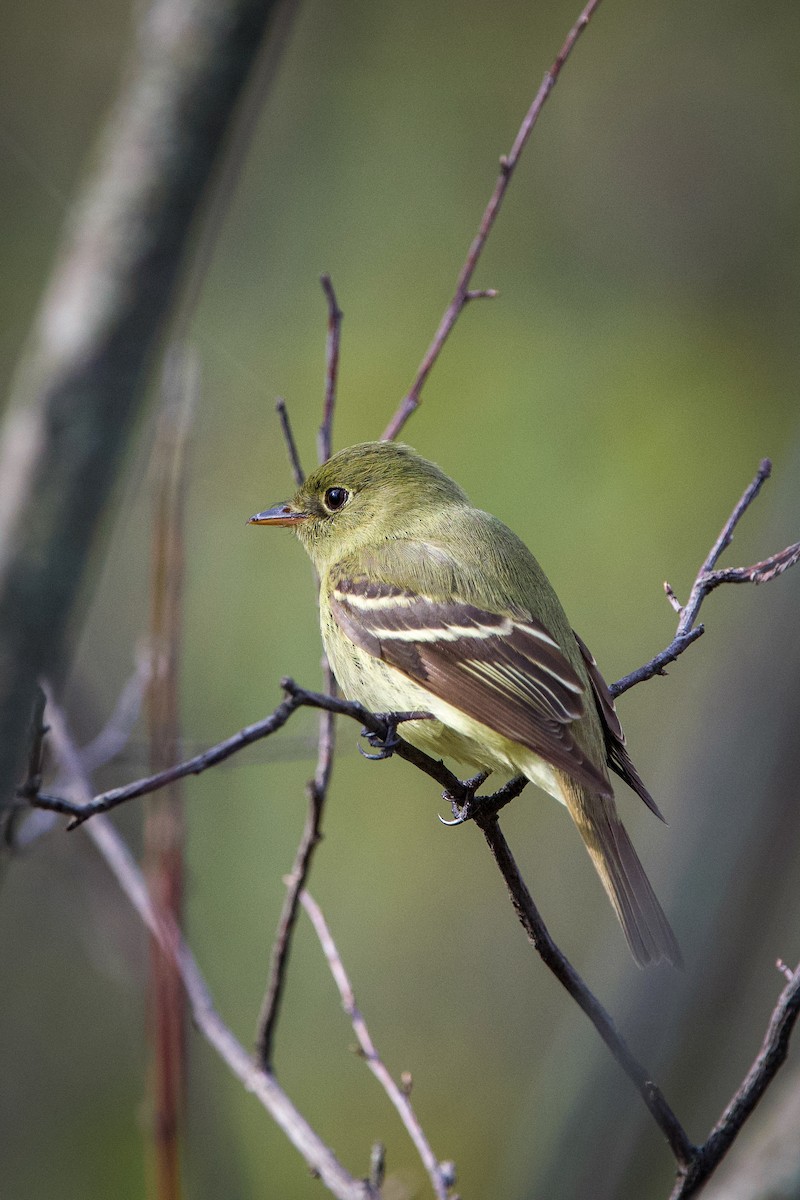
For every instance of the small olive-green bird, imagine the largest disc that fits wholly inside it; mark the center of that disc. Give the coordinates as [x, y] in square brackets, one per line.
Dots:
[430, 605]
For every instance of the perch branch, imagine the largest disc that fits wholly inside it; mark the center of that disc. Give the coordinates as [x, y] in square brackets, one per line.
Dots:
[463, 294]
[442, 1175]
[105, 801]
[296, 698]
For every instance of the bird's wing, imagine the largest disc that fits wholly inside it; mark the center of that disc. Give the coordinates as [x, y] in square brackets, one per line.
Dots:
[503, 670]
[617, 755]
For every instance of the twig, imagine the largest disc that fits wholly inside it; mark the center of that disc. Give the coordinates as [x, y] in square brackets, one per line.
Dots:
[698, 592]
[707, 580]
[770, 1058]
[657, 664]
[105, 801]
[291, 445]
[317, 791]
[162, 927]
[335, 315]
[462, 293]
[566, 974]
[442, 1175]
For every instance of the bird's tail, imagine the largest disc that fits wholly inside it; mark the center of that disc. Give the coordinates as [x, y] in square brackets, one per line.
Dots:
[642, 918]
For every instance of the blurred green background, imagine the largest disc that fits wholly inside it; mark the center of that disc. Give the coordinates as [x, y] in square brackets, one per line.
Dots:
[611, 406]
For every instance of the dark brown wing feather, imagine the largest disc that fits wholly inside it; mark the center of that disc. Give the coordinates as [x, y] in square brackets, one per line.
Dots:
[501, 670]
[617, 755]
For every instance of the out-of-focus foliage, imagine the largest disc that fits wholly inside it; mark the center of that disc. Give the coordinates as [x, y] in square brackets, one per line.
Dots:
[611, 405]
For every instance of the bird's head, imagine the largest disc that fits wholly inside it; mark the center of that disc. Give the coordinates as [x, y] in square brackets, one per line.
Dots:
[369, 493]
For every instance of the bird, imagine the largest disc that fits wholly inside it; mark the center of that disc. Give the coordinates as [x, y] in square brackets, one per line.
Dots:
[428, 604]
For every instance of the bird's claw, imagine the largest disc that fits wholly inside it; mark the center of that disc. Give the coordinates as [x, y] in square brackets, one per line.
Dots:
[464, 810]
[385, 746]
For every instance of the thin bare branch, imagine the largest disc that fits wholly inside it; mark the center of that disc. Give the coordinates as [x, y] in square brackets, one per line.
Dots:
[706, 580]
[657, 664]
[508, 163]
[723, 541]
[36, 736]
[441, 1175]
[105, 801]
[335, 315]
[482, 294]
[766, 1065]
[291, 445]
[259, 1083]
[18, 825]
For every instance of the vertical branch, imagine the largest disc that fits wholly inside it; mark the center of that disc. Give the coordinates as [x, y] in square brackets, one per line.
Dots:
[335, 315]
[316, 791]
[164, 831]
[317, 788]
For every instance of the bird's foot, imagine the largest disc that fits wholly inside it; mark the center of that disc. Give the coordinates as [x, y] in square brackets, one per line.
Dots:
[467, 805]
[385, 745]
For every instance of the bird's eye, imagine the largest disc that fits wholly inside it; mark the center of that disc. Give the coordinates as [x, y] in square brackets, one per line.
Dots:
[336, 498]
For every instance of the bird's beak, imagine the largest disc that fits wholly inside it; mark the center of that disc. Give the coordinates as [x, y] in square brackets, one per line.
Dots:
[281, 514]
